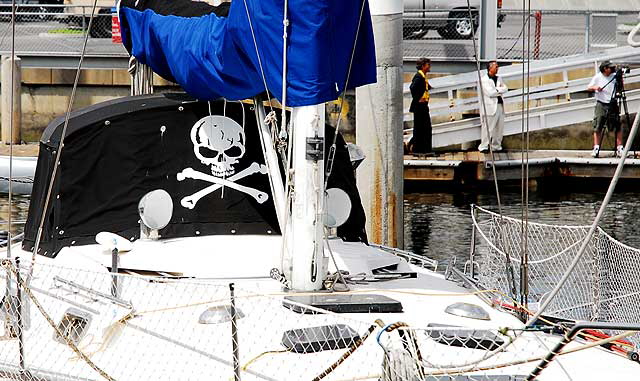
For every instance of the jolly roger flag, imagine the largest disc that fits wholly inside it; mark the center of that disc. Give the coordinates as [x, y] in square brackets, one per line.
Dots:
[206, 155]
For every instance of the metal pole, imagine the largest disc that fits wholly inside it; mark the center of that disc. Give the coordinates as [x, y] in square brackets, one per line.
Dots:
[587, 32]
[234, 335]
[488, 29]
[379, 125]
[19, 308]
[114, 270]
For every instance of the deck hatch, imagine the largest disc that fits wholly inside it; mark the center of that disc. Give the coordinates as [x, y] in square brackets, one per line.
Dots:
[322, 338]
[339, 303]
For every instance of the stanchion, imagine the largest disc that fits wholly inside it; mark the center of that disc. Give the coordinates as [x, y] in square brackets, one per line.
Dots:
[234, 335]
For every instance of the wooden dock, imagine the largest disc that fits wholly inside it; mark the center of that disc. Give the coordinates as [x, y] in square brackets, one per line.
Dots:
[475, 167]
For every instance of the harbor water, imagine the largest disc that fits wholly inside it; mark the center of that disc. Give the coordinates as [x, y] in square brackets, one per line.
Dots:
[438, 225]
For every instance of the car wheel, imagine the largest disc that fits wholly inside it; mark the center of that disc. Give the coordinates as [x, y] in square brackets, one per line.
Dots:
[461, 27]
[101, 26]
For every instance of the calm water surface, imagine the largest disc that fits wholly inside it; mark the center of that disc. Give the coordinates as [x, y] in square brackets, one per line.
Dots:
[438, 225]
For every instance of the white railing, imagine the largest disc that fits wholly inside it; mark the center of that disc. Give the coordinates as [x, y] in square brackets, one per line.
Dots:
[456, 95]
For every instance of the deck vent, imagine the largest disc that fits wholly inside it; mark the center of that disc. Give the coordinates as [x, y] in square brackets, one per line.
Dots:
[468, 310]
[218, 314]
[339, 303]
[322, 338]
[73, 326]
[464, 337]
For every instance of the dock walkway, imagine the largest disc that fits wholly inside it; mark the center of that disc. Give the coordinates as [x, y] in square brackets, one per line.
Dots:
[470, 167]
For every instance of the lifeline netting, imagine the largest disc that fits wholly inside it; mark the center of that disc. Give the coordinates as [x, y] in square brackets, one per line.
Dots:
[605, 285]
[72, 324]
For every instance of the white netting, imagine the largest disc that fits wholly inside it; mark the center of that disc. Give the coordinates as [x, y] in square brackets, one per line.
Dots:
[603, 287]
[154, 329]
[70, 327]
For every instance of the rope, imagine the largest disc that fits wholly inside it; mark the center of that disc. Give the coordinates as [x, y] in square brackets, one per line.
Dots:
[61, 144]
[524, 186]
[22, 180]
[8, 265]
[11, 126]
[352, 348]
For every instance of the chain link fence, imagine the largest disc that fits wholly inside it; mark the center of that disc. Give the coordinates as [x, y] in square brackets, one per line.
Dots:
[58, 30]
[447, 34]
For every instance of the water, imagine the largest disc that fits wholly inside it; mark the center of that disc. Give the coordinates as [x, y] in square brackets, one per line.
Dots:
[438, 225]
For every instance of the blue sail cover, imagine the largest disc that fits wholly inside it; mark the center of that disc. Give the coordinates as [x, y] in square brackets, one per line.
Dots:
[214, 56]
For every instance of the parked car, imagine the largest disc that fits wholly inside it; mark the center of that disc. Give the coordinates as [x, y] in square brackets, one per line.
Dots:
[450, 18]
[39, 8]
[78, 12]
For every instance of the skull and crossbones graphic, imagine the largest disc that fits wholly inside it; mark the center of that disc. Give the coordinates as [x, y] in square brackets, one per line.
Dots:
[219, 142]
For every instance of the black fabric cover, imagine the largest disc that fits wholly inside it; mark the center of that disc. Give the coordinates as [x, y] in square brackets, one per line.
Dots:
[117, 151]
[343, 177]
[182, 8]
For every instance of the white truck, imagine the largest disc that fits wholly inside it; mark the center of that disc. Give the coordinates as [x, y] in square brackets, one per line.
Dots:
[450, 18]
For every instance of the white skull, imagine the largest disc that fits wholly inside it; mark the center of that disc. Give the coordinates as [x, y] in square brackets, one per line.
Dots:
[218, 141]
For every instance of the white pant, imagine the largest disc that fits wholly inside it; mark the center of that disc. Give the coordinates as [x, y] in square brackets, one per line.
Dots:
[495, 128]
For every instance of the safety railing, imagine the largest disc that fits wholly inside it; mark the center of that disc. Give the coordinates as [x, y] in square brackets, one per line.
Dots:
[558, 83]
[539, 34]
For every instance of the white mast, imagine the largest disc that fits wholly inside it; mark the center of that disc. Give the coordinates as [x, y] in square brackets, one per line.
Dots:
[305, 263]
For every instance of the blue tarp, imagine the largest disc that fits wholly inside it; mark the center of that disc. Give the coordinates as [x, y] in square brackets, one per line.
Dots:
[212, 56]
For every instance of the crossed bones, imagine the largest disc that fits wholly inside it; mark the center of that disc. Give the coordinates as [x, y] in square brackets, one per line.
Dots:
[189, 173]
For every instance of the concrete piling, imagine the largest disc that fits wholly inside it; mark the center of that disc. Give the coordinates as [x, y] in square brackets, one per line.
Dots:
[11, 105]
[379, 124]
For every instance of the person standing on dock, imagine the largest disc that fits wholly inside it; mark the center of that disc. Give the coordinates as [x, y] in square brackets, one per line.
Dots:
[421, 140]
[607, 113]
[492, 90]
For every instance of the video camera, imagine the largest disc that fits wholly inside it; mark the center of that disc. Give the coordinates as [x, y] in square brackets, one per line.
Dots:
[621, 70]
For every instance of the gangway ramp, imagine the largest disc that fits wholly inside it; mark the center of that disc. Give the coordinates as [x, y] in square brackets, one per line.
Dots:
[558, 101]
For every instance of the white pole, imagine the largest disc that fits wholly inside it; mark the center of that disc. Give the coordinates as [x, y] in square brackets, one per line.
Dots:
[379, 128]
[305, 263]
[11, 105]
[488, 29]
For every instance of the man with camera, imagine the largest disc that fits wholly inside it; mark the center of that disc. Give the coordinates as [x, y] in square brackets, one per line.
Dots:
[607, 113]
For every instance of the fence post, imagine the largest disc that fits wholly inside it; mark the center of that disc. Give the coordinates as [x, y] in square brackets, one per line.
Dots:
[587, 32]
[11, 105]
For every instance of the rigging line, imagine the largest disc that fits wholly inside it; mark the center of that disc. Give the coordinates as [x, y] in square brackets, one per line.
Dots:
[508, 268]
[255, 45]
[524, 157]
[517, 39]
[594, 225]
[56, 163]
[285, 26]
[11, 121]
[332, 150]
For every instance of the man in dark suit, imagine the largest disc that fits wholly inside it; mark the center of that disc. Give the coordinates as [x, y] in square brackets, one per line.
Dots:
[421, 140]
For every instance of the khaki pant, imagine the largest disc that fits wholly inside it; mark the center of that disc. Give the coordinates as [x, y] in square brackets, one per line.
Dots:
[495, 128]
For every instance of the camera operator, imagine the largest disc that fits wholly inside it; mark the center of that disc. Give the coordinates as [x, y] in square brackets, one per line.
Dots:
[607, 113]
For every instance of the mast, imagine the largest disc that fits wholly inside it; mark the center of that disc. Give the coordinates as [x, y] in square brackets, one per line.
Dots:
[304, 262]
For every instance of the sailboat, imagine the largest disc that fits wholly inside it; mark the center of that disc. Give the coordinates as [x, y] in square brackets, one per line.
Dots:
[176, 236]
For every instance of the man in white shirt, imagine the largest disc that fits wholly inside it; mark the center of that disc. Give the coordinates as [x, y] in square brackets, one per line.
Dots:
[492, 90]
[606, 114]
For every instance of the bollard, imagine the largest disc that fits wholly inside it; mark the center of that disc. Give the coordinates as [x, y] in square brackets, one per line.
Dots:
[11, 106]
